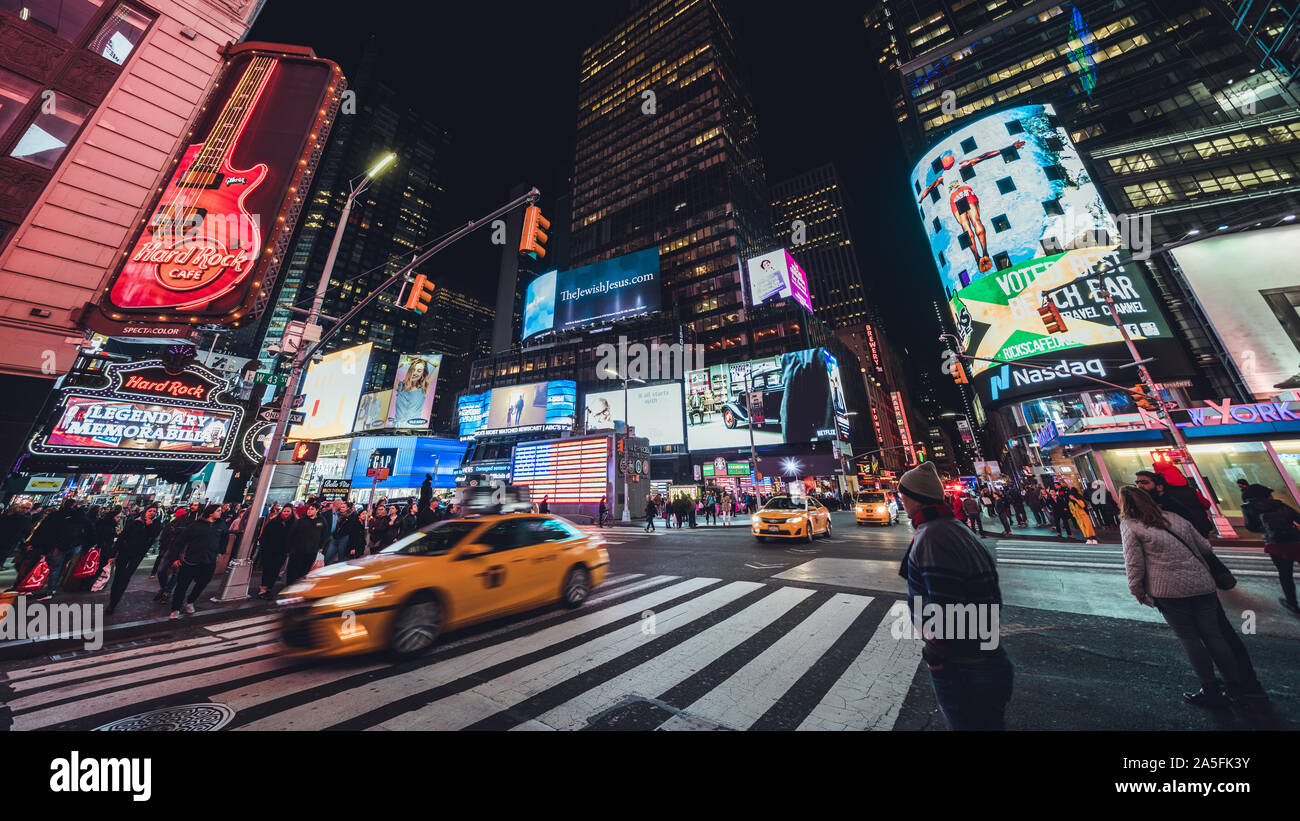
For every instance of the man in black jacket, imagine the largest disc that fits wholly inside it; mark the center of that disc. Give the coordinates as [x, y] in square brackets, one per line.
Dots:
[132, 545]
[1181, 500]
[305, 537]
[199, 547]
[274, 546]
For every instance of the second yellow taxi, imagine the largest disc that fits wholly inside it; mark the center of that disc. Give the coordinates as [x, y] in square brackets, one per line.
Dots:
[791, 517]
[873, 508]
[440, 578]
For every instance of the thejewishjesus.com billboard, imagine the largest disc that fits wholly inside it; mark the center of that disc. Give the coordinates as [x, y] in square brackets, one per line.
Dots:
[594, 294]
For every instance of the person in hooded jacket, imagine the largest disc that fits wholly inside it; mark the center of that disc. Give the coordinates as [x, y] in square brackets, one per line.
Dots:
[169, 552]
[273, 543]
[304, 544]
[137, 537]
[197, 550]
[1281, 541]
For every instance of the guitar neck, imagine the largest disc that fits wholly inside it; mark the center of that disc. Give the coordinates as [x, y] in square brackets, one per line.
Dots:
[204, 173]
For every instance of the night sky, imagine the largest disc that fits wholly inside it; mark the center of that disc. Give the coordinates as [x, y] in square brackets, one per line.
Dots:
[501, 77]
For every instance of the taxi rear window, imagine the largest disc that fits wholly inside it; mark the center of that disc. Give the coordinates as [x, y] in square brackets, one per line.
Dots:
[871, 498]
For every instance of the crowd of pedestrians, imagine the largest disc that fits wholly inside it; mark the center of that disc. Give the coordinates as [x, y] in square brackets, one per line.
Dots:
[1062, 508]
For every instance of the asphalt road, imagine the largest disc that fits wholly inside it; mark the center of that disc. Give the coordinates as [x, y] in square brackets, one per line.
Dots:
[698, 629]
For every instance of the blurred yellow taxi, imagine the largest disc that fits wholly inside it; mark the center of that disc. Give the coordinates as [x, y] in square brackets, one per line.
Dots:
[873, 508]
[437, 579]
[791, 517]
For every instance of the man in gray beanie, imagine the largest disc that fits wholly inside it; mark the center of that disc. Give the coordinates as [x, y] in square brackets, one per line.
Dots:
[951, 577]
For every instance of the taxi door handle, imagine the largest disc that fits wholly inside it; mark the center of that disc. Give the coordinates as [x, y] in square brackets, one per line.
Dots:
[514, 561]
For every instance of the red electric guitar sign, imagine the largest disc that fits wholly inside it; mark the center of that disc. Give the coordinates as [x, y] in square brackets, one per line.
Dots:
[209, 246]
[202, 241]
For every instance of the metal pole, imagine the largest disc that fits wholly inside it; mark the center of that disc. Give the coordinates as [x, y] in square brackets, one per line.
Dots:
[753, 454]
[627, 516]
[1220, 521]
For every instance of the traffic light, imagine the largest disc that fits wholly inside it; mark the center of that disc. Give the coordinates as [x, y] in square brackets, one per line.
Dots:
[1052, 318]
[421, 295]
[1142, 400]
[531, 244]
[959, 374]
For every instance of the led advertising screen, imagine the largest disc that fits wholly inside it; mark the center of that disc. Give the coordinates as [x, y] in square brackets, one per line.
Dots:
[1248, 284]
[997, 317]
[372, 412]
[654, 410]
[413, 391]
[566, 471]
[1005, 190]
[90, 424]
[333, 390]
[594, 294]
[793, 398]
[535, 407]
[775, 275]
[216, 233]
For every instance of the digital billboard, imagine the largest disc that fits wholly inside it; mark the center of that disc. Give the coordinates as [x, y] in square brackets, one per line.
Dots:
[775, 275]
[413, 391]
[599, 293]
[372, 412]
[565, 470]
[333, 389]
[1248, 284]
[997, 317]
[216, 232]
[1005, 190]
[538, 406]
[792, 398]
[654, 410]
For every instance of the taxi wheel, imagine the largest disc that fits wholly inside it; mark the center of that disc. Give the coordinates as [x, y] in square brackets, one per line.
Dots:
[827, 534]
[808, 533]
[577, 585]
[416, 626]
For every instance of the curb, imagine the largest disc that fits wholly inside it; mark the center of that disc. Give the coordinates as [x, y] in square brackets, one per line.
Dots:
[31, 648]
[1214, 542]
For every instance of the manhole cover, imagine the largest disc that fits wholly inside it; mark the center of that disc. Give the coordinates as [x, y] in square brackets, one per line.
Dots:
[185, 718]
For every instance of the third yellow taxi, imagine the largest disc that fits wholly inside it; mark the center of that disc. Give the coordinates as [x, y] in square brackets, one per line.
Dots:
[439, 578]
[791, 517]
[873, 508]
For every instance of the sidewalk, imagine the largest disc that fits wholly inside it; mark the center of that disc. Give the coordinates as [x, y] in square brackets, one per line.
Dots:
[137, 613]
[1105, 535]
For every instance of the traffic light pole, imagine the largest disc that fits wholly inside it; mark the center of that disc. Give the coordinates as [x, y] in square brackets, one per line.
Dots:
[235, 585]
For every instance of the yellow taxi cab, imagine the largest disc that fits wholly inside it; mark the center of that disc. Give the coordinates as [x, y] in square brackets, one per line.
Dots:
[791, 517]
[439, 578]
[873, 508]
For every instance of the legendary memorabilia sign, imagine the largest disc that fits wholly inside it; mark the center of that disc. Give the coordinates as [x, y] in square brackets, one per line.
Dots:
[145, 412]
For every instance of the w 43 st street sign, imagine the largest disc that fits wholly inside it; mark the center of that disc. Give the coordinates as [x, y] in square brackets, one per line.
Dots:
[265, 378]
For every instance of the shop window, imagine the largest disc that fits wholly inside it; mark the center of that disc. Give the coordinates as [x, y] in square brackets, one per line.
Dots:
[51, 130]
[118, 35]
[1222, 464]
[64, 18]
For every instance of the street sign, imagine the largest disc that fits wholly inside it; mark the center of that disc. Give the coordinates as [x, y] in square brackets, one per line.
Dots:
[300, 400]
[381, 474]
[385, 458]
[265, 378]
[271, 413]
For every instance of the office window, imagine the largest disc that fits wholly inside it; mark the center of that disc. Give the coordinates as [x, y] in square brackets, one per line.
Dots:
[48, 134]
[968, 172]
[119, 34]
[1006, 185]
[1014, 127]
[15, 92]
[1053, 207]
[968, 145]
[1001, 223]
[63, 18]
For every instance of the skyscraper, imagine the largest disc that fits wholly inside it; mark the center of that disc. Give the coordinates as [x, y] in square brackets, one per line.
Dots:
[667, 155]
[811, 211]
[388, 223]
[453, 326]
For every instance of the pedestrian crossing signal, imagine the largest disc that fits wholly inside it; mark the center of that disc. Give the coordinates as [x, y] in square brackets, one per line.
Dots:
[959, 374]
[532, 243]
[1052, 319]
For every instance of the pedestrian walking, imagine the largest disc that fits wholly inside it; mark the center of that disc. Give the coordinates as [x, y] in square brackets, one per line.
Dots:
[137, 536]
[168, 551]
[1062, 515]
[380, 527]
[200, 546]
[1034, 499]
[338, 537]
[604, 510]
[1003, 506]
[356, 533]
[1171, 490]
[1079, 510]
[545, 506]
[15, 524]
[974, 516]
[650, 512]
[273, 542]
[946, 566]
[1278, 523]
[304, 544]
[1165, 558]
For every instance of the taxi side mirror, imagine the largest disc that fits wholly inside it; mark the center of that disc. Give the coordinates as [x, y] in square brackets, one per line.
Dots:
[471, 551]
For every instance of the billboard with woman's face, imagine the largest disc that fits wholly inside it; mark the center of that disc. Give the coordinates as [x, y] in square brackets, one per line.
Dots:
[413, 391]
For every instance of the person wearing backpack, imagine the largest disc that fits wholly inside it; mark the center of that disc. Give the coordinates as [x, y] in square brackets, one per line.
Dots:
[1277, 522]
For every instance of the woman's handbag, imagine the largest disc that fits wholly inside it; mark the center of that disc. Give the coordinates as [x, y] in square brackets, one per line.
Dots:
[1223, 578]
[104, 576]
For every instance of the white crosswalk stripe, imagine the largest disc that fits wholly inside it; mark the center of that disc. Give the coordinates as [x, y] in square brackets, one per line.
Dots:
[735, 654]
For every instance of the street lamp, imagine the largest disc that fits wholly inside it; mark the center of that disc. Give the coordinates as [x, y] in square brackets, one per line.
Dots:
[236, 582]
[627, 515]
[844, 463]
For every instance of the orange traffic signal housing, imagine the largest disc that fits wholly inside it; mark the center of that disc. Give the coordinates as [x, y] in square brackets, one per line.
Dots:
[1052, 318]
[959, 374]
[532, 242]
[421, 295]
